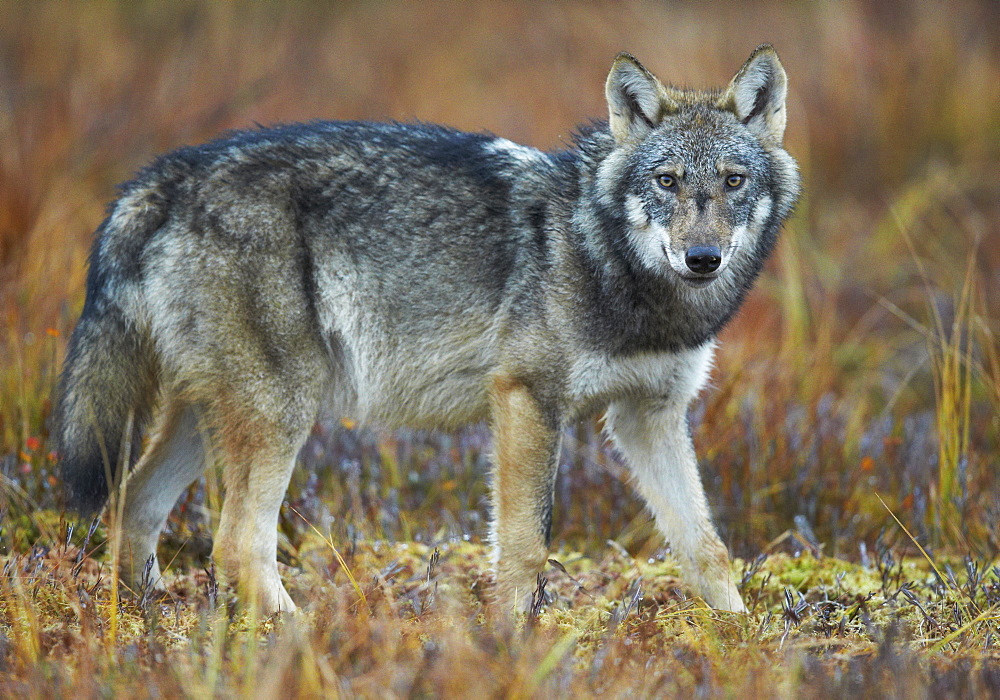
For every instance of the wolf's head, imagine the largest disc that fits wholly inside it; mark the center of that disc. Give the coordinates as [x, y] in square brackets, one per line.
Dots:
[702, 176]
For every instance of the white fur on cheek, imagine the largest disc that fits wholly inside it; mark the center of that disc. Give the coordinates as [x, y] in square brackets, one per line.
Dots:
[637, 215]
[742, 234]
[737, 241]
[648, 238]
[761, 211]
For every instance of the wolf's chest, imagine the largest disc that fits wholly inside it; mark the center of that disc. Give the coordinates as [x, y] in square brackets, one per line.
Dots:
[596, 379]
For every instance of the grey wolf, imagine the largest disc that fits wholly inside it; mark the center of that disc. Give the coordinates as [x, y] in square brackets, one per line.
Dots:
[414, 274]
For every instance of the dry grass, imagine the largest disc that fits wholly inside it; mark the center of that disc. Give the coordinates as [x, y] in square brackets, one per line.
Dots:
[864, 366]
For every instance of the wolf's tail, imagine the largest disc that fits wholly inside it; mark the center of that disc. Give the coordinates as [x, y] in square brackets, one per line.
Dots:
[107, 387]
[109, 382]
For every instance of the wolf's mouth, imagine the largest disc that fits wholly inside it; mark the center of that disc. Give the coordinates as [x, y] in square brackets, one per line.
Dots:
[699, 281]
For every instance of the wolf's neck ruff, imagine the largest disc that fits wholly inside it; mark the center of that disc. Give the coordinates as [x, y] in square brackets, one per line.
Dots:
[415, 274]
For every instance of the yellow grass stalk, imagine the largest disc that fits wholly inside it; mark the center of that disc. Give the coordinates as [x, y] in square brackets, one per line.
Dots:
[347, 570]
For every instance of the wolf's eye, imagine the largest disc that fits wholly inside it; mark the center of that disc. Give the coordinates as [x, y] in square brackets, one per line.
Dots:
[735, 181]
[667, 182]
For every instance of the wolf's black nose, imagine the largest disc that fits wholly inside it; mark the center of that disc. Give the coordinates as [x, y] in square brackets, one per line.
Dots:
[703, 258]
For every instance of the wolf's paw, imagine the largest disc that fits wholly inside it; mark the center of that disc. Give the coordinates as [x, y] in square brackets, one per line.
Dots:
[266, 592]
[721, 594]
[276, 600]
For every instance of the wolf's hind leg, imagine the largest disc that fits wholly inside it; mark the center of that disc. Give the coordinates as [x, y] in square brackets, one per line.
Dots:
[526, 446]
[653, 436]
[258, 449]
[174, 459]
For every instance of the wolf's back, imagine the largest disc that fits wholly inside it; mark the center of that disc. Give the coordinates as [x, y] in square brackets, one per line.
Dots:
[108, 384]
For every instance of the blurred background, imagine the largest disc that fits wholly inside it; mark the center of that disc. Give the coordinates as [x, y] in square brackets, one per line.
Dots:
[864, 365]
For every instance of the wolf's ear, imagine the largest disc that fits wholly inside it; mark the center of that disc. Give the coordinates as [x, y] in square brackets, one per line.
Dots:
[757, 94]
[636, 99]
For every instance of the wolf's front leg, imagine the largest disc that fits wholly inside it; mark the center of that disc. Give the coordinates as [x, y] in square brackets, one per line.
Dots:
[653, 436]
[526, 439]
